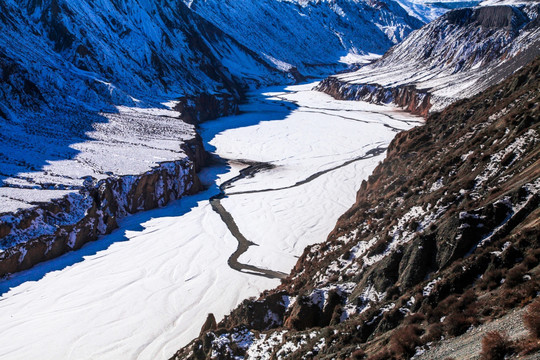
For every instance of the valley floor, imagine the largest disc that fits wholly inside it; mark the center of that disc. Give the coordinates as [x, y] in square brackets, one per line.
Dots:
[144, 290]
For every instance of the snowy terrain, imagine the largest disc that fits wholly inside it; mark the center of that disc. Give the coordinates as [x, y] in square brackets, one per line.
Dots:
[129, 142]
[88, 87]
[310, 35]
[144, 290]
[428, 10]
[454, 57]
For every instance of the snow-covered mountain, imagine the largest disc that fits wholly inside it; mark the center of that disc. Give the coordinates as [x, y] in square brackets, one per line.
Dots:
[85, 55]
[427, 10]
[311, 35]
[456, 56]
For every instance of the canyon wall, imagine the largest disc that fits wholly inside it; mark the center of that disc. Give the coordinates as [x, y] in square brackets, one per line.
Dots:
[407, 97]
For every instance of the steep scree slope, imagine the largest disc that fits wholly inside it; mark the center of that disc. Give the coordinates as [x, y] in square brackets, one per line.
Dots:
[456, 56]
[443, 236]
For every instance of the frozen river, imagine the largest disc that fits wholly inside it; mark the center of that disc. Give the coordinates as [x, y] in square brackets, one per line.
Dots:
[144, 291]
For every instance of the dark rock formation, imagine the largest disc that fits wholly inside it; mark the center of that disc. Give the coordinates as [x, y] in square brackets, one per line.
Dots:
[209, 325]
[200, 108]
[407, 97]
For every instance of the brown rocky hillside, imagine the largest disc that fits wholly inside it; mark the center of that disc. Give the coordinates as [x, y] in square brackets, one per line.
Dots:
[443, 237]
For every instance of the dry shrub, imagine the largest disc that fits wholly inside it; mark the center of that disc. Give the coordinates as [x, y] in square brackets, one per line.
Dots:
[508, 298]
[531, 319]
[491, 279]
[415, 318]
[405, 340]
[495, 346]
[529, 346]
[515, 275]
[434, 332]
[379, 246]
[447, 305]
[358, 354]
[382, 355]
[457, 323]
[530, 261]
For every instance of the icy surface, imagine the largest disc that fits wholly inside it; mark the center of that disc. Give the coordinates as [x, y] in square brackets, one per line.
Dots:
[144, 291]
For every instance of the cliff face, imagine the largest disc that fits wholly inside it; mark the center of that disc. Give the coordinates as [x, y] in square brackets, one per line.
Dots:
[454, 57]
[51, 229]
[443, 236]
[407, 97]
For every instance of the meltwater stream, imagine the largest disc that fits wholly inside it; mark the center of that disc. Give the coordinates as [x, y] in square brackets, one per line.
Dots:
[144, 291]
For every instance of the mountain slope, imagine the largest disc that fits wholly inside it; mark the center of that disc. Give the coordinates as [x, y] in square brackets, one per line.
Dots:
[443, 236]
[84, 54]
[456, 56]
[310, 35]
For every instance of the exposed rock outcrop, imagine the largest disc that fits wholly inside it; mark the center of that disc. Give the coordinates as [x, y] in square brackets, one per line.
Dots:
[200, 108]
[407, 97]
[210, 324]
[51, 229]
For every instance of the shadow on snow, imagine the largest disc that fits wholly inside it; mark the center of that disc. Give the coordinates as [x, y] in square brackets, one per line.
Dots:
[259, 108]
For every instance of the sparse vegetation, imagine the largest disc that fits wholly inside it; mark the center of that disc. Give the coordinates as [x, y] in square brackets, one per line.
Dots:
[495, 346]
[358, 354]
[532, 319]
[404, 341]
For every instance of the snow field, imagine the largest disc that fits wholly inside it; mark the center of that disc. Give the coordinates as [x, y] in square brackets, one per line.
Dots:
[144, 291]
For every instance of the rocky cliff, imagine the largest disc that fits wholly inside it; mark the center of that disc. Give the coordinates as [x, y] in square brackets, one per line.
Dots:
[50, 229]
[443, 237]
[454, 57]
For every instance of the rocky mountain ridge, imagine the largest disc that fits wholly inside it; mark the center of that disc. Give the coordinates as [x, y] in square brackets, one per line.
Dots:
[443, 236]
[311, 37]
[454, 57]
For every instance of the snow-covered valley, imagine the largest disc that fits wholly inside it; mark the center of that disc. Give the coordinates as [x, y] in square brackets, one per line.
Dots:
[144, 290]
